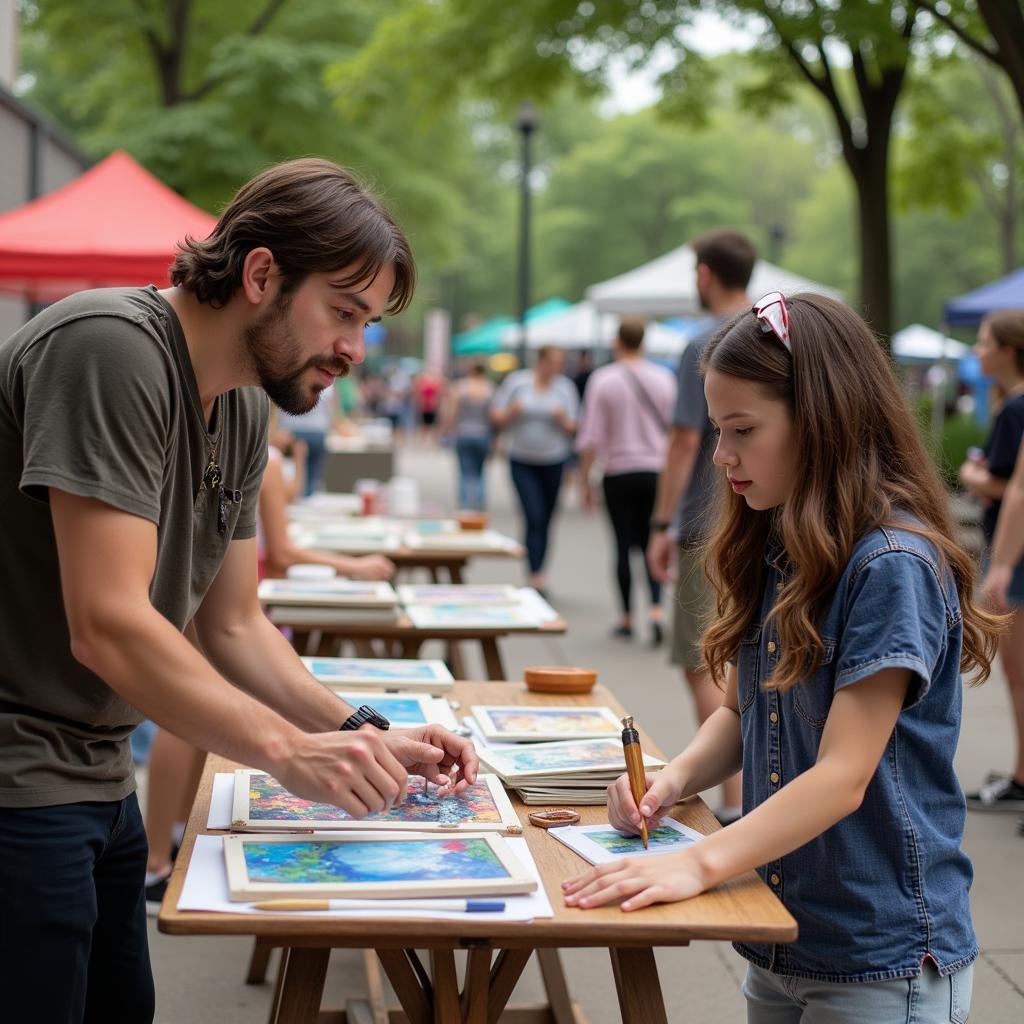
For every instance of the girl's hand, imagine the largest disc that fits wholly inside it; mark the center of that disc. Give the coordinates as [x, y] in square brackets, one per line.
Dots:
[664, 789]
[636, 882]
[372, 567]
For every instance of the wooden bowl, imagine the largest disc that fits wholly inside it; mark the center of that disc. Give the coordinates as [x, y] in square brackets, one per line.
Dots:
[555, 679]
[472, 520]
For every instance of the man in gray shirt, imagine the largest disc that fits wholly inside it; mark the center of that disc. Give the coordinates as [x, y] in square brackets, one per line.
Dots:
[725, 260]
[132, 441]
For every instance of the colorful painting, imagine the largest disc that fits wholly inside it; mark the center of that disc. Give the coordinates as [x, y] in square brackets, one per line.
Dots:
[600, 844]
[559, 758]
[375, 866]
[331, 591]
[261, 802]
[471, 616]
[388, 673]
[525, 723]
[403, 711]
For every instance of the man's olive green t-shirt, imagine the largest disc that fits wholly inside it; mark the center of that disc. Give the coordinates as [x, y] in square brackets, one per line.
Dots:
[98, 398]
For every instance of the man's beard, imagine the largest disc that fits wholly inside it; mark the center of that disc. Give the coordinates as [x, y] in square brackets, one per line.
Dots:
[274, 352]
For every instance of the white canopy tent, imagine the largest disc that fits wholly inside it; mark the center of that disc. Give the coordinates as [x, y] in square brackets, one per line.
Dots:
[582, 326]
[918, 343]
[667, 286]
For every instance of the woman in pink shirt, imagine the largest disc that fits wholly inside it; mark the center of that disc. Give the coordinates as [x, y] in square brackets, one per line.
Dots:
[624, 428]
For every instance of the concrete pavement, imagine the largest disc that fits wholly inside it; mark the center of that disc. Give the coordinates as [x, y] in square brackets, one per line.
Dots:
[200, 979]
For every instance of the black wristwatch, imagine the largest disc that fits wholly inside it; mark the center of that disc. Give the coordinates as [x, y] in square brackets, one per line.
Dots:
[363, 715]
[659, 525]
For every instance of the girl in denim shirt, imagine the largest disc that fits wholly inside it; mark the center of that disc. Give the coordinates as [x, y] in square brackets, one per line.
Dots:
[843, 620]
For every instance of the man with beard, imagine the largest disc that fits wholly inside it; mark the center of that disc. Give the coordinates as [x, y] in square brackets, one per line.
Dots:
[725, 261]
[132, 440]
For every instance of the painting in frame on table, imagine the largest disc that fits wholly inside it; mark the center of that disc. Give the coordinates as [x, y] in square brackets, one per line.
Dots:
[523, 724]
[471, 616]
[460, 540]
[570, 757]
[601, 844]
[391, 674]
[329, 592]
[402, 710]
[370, 866]
[260, 803]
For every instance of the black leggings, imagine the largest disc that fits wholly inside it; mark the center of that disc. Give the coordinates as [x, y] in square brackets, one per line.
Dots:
[629, 498]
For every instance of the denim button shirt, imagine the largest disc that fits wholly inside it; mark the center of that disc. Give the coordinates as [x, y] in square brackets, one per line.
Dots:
[888, 885]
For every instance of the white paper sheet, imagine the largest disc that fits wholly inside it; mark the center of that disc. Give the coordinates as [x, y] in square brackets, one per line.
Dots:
[206, 888]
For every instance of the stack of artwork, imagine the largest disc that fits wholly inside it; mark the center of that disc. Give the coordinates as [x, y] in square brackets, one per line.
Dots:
[290, 600]
[433, 844]
[460, 540]
[571, 771]
[393, 675]
[473, 606]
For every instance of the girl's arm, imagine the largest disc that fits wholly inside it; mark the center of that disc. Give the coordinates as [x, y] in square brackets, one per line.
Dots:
[980, 482]
[1008, 544]
[860, 723]
[281, 552]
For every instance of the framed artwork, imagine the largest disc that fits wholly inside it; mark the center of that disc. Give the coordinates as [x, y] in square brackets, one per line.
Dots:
[333, 592]
[471, 616]
[460, 540]
[572, 757]
[599, 844]
[403, 710]
[261, 803]
[458, 593]
[382, 673]
[434, 526]
[372, 866]
[349, 543]
[517, 724]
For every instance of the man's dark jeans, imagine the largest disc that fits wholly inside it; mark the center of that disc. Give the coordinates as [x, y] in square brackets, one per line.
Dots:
[73, 945]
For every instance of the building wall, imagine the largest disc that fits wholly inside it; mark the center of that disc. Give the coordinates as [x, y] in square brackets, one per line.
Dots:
[56, 162]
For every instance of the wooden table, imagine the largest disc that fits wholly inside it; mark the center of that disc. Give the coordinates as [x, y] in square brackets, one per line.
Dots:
[401, 637]
[743, 909]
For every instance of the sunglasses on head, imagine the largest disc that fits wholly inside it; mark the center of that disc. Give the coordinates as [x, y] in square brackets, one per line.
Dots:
[773, 317]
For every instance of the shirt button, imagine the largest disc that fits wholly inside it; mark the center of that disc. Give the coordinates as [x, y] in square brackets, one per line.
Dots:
[774, 879]
[773, 717]
[771, 647]
[774, 776]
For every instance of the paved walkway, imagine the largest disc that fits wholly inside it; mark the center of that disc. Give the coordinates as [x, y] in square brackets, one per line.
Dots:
[201, 979]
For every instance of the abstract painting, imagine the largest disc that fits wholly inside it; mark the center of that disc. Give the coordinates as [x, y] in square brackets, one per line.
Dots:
[386, 673]
[559, 758]
[524, 723]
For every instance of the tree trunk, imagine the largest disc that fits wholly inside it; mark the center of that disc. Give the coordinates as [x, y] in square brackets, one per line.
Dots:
[875, 247]
[1005, 22]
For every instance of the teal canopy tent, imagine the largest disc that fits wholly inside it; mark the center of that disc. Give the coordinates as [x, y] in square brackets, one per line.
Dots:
[485, 338]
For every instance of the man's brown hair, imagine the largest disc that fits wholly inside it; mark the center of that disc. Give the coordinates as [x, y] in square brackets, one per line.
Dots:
[728, 254]
[631, 333]
[314, 216]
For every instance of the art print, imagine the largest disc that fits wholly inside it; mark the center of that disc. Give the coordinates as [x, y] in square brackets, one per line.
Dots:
[372, 866]
[471, 616]
[458, 593]
[341, 592]
[403, 711]
[554, 759]
[385, 673]
[600, 844]
[522, 723]
[261, 803]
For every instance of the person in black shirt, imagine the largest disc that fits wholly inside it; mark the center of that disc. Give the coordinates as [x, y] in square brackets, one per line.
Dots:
[1000, 350]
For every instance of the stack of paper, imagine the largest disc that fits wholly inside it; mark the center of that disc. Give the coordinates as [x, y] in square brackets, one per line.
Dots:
[576, 771]
[298, 601]
[475, 606]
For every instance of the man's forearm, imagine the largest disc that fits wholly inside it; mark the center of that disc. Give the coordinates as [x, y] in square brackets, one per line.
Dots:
[255, 656]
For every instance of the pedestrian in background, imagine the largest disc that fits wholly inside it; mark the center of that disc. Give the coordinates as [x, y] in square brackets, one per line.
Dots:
[466, 420]
[537, 408]
[624, 428]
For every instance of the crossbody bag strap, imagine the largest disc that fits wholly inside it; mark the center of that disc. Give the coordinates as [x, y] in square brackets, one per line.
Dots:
[645, 397]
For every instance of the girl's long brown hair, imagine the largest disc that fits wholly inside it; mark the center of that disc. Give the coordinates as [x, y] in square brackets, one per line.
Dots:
[861, 465]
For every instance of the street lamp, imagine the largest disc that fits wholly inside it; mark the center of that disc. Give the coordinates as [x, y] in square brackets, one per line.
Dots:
[526, 122]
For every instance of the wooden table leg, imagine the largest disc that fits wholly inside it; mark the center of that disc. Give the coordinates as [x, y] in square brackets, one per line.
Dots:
[261, 950]
[555, 986]
[455, 662]
[636, 981]
[455, 571]
[504, 974]
[375, 987]
[476, 987]
[300, 639]
[492, 658]
[407, 985]
[302, 986]
[446, 986]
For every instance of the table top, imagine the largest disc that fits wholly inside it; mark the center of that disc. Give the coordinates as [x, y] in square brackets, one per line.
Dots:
[743, 909]
[335, 621]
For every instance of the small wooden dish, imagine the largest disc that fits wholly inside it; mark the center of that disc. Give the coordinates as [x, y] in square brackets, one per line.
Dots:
[472, 520]
[554, 679]
[555, 818]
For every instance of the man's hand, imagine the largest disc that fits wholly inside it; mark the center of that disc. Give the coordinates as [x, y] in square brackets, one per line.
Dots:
[662, 556]
[637, 882]
[436, 753]
[352, 770]
[372, 567]
[663, 790]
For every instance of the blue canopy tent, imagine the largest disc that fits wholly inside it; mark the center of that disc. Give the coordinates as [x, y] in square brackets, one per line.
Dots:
[970, 309]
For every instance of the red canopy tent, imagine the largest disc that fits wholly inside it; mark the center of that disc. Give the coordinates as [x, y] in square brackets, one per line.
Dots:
[114, 225]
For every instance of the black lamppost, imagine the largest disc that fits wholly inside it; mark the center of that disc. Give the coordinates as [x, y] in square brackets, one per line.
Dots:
[526, 122]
